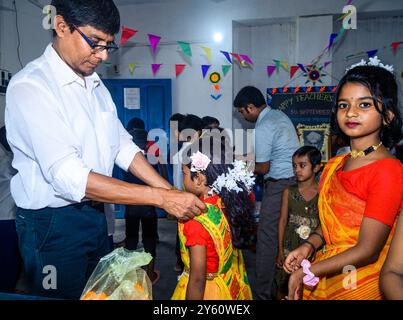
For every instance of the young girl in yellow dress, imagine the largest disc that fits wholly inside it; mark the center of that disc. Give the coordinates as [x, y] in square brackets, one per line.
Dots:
[360, 194]
[214, 267]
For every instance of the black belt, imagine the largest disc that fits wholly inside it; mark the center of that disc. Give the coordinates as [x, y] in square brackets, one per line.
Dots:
[93, 204]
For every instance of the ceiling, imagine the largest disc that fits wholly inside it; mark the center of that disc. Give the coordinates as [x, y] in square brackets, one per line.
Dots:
[129, 2]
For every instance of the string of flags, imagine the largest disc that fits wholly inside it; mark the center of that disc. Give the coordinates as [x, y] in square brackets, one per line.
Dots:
[312, 71]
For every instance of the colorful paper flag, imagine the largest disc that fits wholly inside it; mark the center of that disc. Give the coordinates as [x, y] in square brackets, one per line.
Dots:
[205, 68]
[179, 68]
[395, 45]
[185, 46]
[372, 53]
[154, 40]
[331, 40]
[226, 54]
[327, 63]
[270, 70]
[284, 64]
[236, 56]
[340, 34]
[207, 51]
[293, 69]
[155, 67]
[301, 66]
[225, 69]
[246, 58]
[132, 66]
[277, 62]
[127, 33]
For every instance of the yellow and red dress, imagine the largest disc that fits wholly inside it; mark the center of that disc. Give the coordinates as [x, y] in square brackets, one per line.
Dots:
[345, 198]
[226, 277]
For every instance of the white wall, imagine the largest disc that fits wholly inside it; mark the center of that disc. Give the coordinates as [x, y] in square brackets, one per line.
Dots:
[33, 38]
[307, 31]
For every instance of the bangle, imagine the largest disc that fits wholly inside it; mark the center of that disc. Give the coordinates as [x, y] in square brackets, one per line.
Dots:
[313, 247]
[309, 279]
[321, 237]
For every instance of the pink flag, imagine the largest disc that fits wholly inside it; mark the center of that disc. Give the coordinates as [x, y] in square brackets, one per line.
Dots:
[327, 63]
[155, 68]
[179, 68]
[246, 58]
[127, 33]
[154, 40]
[293, 69]
[270, 70]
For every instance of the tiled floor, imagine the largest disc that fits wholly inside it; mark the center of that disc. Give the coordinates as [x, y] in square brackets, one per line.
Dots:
[166, 257]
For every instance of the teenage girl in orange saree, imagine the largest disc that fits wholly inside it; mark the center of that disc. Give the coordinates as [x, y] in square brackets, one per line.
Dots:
[360, 195]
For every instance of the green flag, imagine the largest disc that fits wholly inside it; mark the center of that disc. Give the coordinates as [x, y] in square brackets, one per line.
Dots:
[185, 46]
[225, 69]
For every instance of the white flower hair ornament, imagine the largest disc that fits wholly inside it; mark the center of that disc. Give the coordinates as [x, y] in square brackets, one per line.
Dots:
[229, 180]
[200, 162]
[375, 61]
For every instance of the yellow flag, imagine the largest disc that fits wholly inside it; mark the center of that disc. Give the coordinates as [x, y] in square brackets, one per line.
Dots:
[207, 51]
[132, 66]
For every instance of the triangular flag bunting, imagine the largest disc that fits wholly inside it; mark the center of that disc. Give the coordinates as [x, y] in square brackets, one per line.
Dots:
[225, 69]
[340, 35]
[395, 45]
[277, 62]
[154, 40]
[246, 58]
[226, 54]
[372, 53]
[293, 69]
[331, 40]
[327, 63]
[127, 33]
[284, 64]
[185, 46]
[207, 51]
[179, 68]
[132, 66]
[155, 68]
[270, 70]
[236, 56]
[301, 66]
[205, 69]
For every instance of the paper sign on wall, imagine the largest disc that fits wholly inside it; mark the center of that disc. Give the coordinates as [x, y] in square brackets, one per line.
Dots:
[131, 98]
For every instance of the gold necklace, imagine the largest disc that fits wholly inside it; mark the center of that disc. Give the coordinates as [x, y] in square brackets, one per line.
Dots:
[355, 154]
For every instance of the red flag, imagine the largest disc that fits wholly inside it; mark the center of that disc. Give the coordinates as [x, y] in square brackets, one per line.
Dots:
[293, 69]
[395, 45]
[127, 33]
[179, 68]
[236, 56]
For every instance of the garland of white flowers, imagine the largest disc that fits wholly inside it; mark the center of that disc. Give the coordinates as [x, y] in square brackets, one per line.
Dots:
[375, 61]
[229, 180]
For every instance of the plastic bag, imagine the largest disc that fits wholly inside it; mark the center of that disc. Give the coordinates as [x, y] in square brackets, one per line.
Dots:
[119, 276]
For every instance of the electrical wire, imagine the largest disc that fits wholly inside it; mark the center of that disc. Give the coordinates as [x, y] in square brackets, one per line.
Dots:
[18, 34]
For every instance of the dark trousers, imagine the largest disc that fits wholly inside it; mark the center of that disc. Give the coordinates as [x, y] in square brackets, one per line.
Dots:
[147, 216]
[267, 237]
[10, 259]
[63, 244]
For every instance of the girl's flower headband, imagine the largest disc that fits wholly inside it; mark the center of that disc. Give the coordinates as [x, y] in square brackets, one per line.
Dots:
[372, 62]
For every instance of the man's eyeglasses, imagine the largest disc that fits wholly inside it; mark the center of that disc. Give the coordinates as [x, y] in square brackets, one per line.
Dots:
[96, 48]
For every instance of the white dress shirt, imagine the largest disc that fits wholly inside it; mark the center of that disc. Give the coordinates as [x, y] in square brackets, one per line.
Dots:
[60, 127]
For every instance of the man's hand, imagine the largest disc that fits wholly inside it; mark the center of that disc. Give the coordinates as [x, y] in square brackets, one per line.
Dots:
[182, 205]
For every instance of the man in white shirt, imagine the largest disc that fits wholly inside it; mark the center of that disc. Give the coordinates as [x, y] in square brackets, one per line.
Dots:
[63, 129]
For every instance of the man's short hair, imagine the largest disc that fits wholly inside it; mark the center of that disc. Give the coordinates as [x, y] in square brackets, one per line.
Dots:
[249, 95]
[102, 15]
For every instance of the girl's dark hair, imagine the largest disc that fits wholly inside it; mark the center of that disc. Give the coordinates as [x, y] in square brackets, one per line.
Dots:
[238, 206]
[314, 155]
[102, 15]
[383, 87]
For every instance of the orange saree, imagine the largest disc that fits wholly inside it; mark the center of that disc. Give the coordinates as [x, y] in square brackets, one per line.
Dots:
[341, 214]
